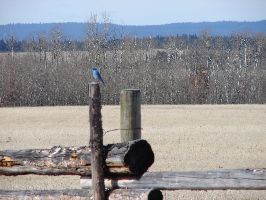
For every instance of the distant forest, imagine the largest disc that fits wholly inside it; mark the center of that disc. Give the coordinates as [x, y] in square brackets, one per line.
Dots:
[179, 69]
[11, 44]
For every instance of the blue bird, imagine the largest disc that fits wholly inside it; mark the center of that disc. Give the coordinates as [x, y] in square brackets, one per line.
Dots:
[96, 74]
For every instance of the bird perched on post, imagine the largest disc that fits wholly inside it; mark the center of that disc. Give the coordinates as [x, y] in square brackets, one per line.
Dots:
[96, 74]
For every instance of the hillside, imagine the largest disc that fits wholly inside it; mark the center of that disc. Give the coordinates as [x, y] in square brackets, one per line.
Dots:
[77, 31]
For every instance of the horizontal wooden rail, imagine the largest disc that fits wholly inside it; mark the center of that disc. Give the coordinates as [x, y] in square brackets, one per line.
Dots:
[129, 158]
[83, 194]
[238, 179]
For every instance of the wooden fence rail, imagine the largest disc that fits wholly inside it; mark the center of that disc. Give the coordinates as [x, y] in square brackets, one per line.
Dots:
[238, 179]
[81, 194]
[129, 158]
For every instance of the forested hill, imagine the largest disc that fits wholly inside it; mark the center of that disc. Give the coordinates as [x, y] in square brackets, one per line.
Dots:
[77, 31]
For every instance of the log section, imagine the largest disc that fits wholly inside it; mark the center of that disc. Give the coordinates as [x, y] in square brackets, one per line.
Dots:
[122, 159]
[119, 194]
[237, 179]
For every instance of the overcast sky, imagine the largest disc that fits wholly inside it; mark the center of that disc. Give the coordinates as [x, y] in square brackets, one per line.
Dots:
[133, 12]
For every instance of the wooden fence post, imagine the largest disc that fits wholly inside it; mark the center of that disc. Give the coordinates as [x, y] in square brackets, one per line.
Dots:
[130, 115]
[96, 142]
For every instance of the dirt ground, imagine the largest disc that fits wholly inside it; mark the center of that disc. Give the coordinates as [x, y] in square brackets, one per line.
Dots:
[183, 137]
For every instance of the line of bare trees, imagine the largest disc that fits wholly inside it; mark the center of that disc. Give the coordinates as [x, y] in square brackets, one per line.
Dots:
[168, 70]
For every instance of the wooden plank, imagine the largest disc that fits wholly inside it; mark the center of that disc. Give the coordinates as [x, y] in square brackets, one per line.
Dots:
[130, 115]
[96, 142]
[238, 179]
[122, 159]
[81, 194]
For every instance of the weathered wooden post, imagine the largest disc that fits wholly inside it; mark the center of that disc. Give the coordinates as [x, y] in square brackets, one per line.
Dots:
[130, 115]
[96, 142]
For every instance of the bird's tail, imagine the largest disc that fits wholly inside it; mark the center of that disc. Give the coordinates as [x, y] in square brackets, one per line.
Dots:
[103, 82]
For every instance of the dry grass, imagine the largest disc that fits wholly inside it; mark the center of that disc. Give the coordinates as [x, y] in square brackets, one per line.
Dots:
[183, 138]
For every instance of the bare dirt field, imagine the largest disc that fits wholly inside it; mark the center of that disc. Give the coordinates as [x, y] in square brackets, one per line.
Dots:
[183, 137]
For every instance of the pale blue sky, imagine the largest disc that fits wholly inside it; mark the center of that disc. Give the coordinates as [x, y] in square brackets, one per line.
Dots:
[138, 12]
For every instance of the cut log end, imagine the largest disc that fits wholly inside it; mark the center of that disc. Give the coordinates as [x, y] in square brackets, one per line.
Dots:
[138, 156]
[155, 195]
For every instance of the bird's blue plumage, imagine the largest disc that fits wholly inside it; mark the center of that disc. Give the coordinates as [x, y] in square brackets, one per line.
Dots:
[96, 74]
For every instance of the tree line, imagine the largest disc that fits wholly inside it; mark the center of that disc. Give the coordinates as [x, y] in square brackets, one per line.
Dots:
[186, 69]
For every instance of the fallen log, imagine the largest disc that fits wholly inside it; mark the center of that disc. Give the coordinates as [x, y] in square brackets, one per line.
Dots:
[238, 179]
[130, 158]
[119, 194]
